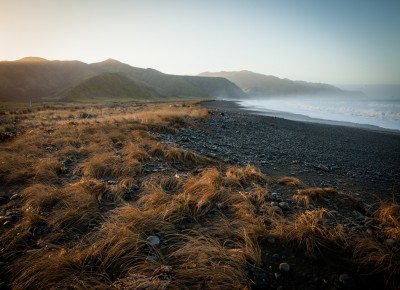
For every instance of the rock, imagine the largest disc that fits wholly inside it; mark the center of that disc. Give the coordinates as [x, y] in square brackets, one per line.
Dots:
[7, 224]
[284, 205]
[274, 203]
[153, 240]
[278, 210]
[271, 240]
[284, 267]
[347, 281]
[275, 195]
[14, 196]
[322, 167]
[276, 257]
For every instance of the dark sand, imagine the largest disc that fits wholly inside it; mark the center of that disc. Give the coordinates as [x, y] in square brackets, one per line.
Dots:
[362, 161]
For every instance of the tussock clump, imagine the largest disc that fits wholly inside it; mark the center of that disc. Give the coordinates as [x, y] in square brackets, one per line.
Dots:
[40, 198]
[76, 211]
[100, 165]
[244, 175]
[302, 199]
[310, 230]
[15, 167]
[318, 192]
[47, 170]
[290, 181]
[136, 151]
[95, 187]
[201, 261]
[199, 192]
[375, 257]
[168, 183]
[389, 214]
[180, 156]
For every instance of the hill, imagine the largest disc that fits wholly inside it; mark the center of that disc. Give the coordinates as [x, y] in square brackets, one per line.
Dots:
[109, 85]
[38, 79]
[255, 84]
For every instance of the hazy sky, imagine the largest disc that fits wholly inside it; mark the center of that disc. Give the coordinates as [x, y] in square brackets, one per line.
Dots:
[332, 41]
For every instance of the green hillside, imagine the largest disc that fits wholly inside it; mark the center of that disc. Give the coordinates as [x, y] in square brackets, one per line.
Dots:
[109, 86]
[38, 79]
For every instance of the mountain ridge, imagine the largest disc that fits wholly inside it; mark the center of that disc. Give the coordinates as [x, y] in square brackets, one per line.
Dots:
[260, 85]
[38, 79]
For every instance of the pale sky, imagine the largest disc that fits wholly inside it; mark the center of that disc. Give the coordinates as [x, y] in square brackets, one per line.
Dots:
[330, 41]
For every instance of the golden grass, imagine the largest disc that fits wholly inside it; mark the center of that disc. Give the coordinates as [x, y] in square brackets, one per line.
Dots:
[376, 257]
[290, 181]
[183, 157]
[388, 214]
[309, 230]
[318, 192]
[244, 175]
[88, 206]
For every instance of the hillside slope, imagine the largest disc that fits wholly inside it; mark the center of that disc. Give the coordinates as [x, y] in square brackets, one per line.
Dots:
[109, 85]
[255, 84]
[38, 79]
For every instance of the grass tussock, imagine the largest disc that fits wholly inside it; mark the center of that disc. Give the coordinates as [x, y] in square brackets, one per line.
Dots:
[388, 214]
[375, 257]
[245, 175]
[318, 192]
[180, 156]
[290, 181]
[310, 230]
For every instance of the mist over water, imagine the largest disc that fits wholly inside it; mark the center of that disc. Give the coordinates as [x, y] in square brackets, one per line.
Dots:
[378, 108]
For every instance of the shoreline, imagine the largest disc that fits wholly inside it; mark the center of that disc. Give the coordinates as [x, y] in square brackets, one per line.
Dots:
[236, 106]
[352, 159]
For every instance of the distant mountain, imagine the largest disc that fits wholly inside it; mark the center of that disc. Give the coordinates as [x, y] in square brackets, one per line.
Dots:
[38, 79]
[255, 84]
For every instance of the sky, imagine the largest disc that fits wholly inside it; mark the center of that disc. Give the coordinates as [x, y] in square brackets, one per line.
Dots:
[329, 41]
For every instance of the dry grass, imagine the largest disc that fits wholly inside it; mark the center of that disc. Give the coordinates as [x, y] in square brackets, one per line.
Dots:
[245, 175]
[375, 257]
[318, 192]
[93, 189]
[290, 181]
[388, 214]
[186, 158]
[310, 230]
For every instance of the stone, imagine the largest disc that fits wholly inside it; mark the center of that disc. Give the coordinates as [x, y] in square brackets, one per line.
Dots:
[7, 224]
[284, 205]
[14, 196]
[278, 210]
[274, 203]
[284, 267]
[276, 257]
[347, 281]
[271, 240]
[153, 240]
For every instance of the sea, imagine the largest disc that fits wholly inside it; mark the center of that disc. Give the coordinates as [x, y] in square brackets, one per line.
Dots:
[376, 107]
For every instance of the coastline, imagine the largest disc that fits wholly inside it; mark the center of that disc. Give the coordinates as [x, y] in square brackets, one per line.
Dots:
[236, 106]
[353, 159]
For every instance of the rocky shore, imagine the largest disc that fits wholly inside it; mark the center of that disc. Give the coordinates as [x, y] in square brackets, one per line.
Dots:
[357, 160]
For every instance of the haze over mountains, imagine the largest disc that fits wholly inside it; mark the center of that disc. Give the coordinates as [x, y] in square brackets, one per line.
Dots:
[259, 85]
[38, 79]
